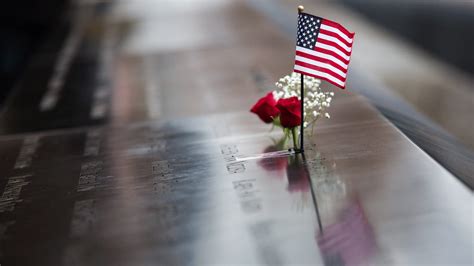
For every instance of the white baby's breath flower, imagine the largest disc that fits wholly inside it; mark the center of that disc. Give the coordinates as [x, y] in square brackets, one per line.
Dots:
[327, 115]
[316, 101]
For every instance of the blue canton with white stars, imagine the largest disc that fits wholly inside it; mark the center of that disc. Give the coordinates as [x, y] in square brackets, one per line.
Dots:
[308, 29]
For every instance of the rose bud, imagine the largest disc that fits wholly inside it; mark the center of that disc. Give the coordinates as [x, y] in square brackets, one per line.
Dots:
[290, 112]
[266, 109]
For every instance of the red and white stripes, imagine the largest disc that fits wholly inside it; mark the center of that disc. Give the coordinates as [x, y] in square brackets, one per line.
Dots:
[330, 56]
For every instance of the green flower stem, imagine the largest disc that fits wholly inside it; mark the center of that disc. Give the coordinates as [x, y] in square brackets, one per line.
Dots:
[282, 143]
[293, 132]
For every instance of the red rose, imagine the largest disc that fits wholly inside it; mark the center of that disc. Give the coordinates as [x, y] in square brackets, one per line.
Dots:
[266, 109]
[290, 112]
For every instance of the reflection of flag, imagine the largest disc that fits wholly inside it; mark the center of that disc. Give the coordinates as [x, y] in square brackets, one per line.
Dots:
[351, 241]
[323, 49]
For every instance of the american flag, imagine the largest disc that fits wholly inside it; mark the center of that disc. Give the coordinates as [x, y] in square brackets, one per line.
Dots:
[323, 49]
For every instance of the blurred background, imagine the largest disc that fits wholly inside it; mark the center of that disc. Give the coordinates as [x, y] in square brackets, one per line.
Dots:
[414, 60]
[24, 25]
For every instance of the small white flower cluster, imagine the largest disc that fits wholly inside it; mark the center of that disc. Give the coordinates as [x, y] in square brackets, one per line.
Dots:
[316, 101]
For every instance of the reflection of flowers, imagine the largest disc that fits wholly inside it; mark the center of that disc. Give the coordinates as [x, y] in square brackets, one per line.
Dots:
[298, 176]
[298, 181]
[296, 171]
[276, 163]
[350, 241]
[328, 183]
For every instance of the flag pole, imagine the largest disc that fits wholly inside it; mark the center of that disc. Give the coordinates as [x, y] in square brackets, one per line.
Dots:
[300, 10]
[302, 115]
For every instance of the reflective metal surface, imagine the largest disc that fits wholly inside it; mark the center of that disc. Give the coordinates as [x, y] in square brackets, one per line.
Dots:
[410, 90]
[171, 193]
[154, 179]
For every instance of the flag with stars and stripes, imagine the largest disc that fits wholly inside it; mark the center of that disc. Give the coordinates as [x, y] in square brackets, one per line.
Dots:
[323, 49]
